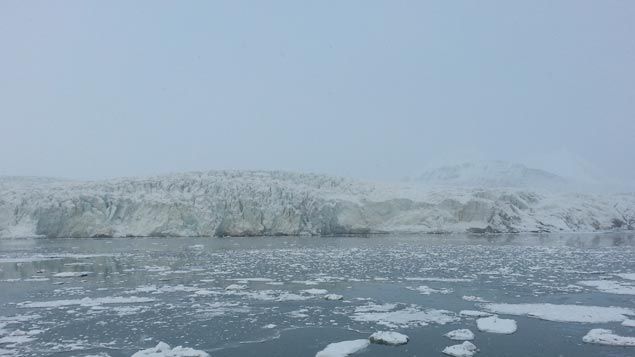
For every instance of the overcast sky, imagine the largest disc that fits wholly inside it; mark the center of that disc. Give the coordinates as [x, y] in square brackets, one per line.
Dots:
[371, 89]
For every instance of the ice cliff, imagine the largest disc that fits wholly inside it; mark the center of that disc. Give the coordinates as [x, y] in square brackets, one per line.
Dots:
[242, 203]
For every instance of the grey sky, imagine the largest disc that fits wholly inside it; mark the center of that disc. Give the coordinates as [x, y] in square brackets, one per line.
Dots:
[373, 89]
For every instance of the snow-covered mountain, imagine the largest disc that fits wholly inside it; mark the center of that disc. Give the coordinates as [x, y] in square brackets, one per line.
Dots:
[239, 203]
[487, 174]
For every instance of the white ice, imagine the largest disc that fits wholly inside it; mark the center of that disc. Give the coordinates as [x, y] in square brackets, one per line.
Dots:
[342, 349]
[460, 335]
[465, 349]
[388, 338]
[606, 337]
[563, 313]
[163, 350]
[609, 286]
[496, 325]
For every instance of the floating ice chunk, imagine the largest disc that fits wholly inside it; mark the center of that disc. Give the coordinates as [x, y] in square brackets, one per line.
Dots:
[563, 313]
[315, 291]
[627, 276]
[85, 302]
[460, 335]
[388, 338]
[474, 313]
[299, 314]
[406, 317]
[609, 286]
[375, 307]
[342, 349]
[473, 298]
[426, 290]
[628, 323]
[606, 337]
[466, 349]
[71, 274]
[18, 337]
[496, 325]
[270, 326]
[333, 297]
[236, 287]
[164, 350]
[446, 280]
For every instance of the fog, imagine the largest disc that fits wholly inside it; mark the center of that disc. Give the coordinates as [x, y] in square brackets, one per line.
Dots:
[368, 89]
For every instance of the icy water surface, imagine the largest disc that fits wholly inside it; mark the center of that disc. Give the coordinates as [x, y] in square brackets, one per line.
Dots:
[268, 296]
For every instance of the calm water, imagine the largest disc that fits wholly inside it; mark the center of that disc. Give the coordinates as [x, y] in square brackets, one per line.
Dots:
[265, 296]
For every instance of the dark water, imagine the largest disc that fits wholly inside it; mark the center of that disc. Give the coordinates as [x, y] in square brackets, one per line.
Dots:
[137, 292]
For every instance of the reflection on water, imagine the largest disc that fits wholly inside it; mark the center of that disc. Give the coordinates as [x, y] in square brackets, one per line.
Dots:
[265, 295]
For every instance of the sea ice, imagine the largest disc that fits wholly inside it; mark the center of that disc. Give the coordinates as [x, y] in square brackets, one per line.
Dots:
[388, 338]
[342, 349]
[426, 290]
[628, 323]
[71, 274]
[163, 350]
[606, 337]
[315, 291]
[496, 325]
[410, 316]
[465, 349]
[627, 276]
[460, 335]
[473, 298]
[563, 313]
[85, 302]
[333, 297]
[474, 313]
[609, 286]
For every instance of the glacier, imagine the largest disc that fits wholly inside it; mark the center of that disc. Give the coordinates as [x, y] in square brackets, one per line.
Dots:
[265, 203]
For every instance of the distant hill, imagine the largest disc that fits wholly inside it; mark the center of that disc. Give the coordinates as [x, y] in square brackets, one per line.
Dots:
[492, 174]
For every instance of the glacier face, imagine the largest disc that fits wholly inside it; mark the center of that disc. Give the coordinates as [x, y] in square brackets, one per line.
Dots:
[248, 203]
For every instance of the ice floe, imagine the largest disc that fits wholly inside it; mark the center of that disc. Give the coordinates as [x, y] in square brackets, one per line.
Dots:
[494, 324]
[607, 337]
[163, 350]
[388, 338]
[315, 291]
[465, 349]
[473, 298]
[342, 349]
[333, 297]
[627, 276]
[609, 286]
[460, 335]
[628, 323]
[443, 280]
[563, 313]
[474, 313]
[408, 316]
[85, 302]
[71, 274]
[426, 290]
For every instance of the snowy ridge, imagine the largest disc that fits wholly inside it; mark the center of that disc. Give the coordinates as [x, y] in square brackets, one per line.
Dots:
[492, 174]
[247, 203]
